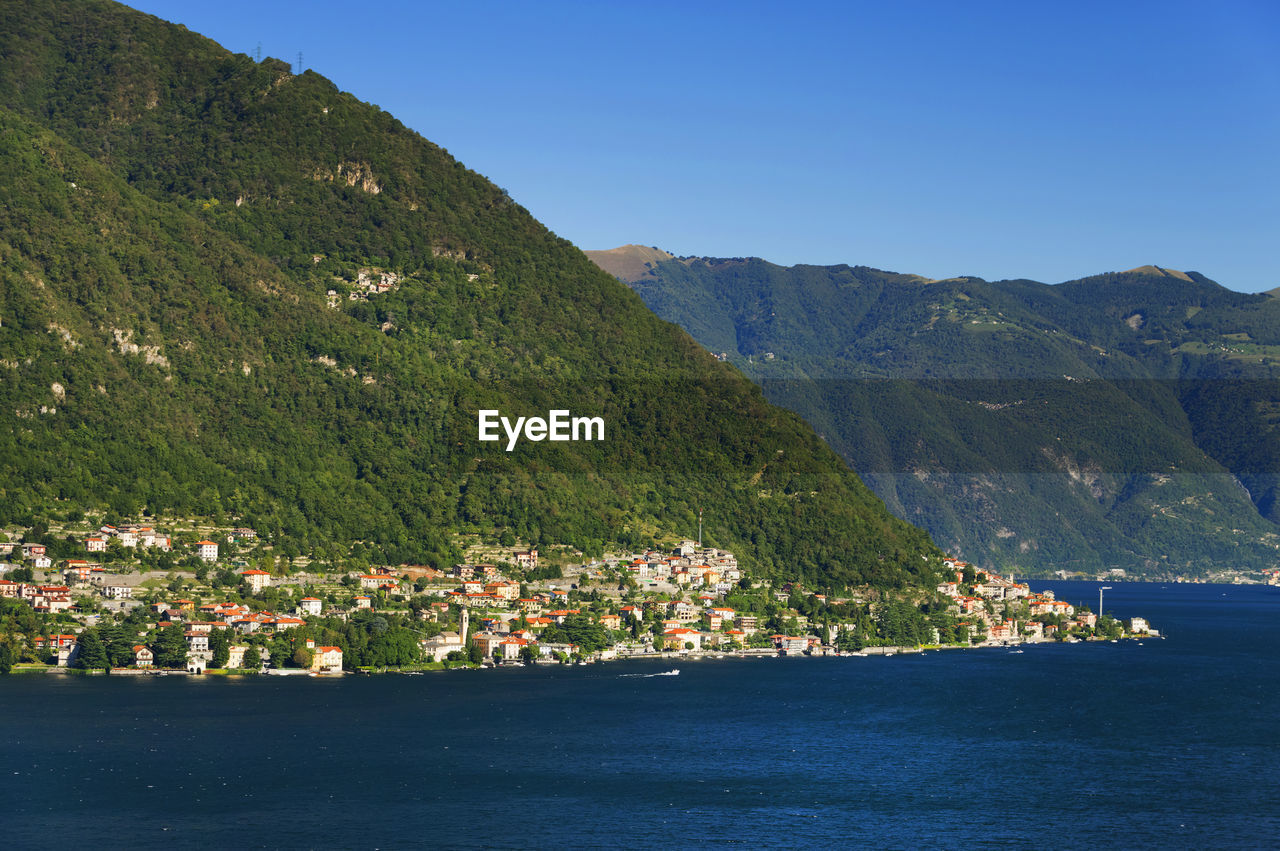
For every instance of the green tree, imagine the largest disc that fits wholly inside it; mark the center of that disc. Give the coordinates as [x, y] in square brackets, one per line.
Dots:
[252, 658]
[6, 659]
[171, 647]
[118, 642]
[92, 653]
[849, 641]
[220, 648]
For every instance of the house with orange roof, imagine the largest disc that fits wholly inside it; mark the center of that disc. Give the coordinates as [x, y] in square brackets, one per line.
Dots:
[207, 550]
[310, 605]
[1001, 631]
[503, 590]
[487, 641]
[681, 636]
[256, 579]
[60, 641]
[509, 649]
[142, 656]
[326, 659]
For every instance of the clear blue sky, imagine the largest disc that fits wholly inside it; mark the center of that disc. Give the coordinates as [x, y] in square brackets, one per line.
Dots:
[1000, 139]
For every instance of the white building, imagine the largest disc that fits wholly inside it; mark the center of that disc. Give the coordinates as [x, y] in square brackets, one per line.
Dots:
[257, 579]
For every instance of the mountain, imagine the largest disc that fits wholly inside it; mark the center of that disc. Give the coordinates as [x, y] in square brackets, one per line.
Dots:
[1125, 420]
[231, 291]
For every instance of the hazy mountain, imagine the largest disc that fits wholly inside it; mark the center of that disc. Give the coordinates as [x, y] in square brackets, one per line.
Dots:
[1122, 420]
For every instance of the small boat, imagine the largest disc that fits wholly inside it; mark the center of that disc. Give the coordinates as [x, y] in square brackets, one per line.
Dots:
[674, 672]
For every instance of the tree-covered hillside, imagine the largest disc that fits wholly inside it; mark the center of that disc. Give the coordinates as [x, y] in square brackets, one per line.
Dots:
[1125, 420]
[232, 291]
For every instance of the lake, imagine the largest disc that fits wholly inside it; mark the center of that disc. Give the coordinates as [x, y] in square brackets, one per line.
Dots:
[1167, 743]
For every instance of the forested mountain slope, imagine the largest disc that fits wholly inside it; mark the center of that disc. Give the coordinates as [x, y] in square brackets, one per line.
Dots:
[233, 291]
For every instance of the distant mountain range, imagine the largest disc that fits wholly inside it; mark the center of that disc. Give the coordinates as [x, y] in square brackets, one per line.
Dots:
[1126, 420]
[231, 291]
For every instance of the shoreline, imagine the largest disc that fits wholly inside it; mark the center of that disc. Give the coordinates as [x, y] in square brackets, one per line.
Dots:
[868, 652]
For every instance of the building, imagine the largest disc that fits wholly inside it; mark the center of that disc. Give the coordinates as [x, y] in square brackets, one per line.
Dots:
[207, 550]
[310, 605]
[256, 579]
[440, 646]
[679, 637]
[326, 659]
[142, 656]
[526, 559]
[503, 590]
[792, 644]
[95, 545]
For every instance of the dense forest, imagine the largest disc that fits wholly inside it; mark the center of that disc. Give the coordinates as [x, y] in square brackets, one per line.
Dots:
[234, 292]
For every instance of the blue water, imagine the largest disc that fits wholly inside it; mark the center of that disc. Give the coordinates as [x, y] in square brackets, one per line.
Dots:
[1171, 743]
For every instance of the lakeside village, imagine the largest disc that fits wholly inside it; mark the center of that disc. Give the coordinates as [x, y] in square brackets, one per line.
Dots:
[129, 599]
